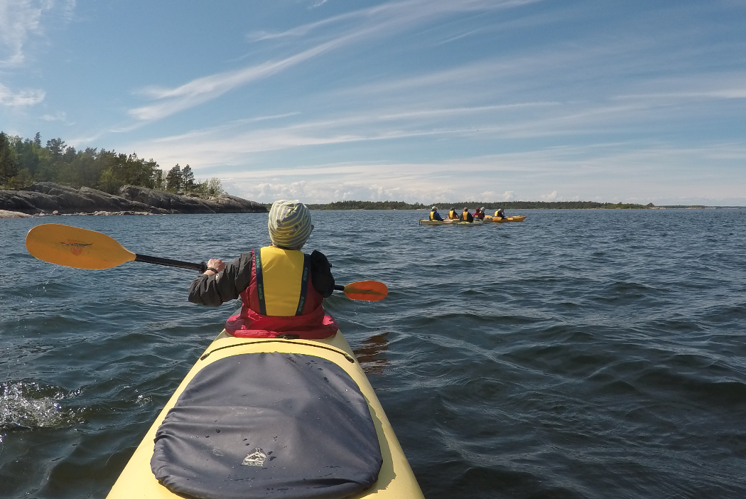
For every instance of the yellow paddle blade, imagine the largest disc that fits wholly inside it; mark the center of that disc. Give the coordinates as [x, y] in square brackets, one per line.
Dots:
[366, 291]
[74, 247]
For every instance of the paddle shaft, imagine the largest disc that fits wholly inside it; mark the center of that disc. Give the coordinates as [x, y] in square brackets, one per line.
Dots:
[200, 267]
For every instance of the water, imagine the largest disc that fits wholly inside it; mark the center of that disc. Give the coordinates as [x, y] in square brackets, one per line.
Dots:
[579, 354]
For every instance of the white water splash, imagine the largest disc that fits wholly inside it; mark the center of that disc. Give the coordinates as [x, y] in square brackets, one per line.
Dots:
[30, 405]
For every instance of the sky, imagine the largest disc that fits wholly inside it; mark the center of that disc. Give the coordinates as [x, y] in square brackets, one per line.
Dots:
[403, 100]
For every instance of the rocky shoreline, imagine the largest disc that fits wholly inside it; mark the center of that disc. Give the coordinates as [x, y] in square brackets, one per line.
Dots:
[46, 198]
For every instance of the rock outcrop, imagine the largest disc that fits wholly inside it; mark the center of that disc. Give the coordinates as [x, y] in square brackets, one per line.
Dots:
[46, 198]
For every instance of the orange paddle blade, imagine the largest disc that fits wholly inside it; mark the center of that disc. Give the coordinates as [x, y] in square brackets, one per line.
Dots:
[74, 247]
[366, 291]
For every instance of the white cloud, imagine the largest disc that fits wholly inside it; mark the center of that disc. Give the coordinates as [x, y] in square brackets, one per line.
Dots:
[19, 20]
[58, 116]
[20, 98]
[549, 197]
[204, 89]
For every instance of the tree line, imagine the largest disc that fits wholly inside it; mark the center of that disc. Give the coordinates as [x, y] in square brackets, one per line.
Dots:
[508, 205]
[25, 161]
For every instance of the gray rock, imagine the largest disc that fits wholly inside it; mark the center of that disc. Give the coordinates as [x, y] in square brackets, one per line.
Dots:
[47, 197]
[12, 214]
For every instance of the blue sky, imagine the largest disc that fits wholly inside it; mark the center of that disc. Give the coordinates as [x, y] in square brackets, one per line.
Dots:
[411, 100]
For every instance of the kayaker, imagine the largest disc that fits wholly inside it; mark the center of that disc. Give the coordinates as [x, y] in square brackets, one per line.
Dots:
[479, 213]
[500, 213]
[466, 216]
[281, 287]
[434, 215]
[452, 215]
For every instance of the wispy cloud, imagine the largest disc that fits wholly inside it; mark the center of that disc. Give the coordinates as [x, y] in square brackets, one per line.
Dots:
[207, 88]
[19, 20]
[59, 116]
[20, 98]
[375, 21]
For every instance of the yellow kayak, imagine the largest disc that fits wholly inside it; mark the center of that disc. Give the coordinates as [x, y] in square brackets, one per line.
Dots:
[503, 220]
[425, 221]
[258, 454]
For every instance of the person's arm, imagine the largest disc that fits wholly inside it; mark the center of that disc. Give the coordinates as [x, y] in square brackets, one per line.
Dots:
[321, 274]
[212, 289]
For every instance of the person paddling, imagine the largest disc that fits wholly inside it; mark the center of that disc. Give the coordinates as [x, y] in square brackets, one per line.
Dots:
[434, 215]
[500, 213]
[281, 288]
[466, 216]
[452, 215]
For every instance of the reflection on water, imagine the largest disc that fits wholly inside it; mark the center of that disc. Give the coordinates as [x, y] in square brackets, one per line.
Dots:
[370, 354]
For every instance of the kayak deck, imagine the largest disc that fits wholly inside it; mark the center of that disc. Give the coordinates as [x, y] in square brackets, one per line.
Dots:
[425, 221]
[395, 479]
[503, 220]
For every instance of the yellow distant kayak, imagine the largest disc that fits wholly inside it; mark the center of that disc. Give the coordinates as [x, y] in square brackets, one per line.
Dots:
[271, 417]
[503, 220]
[425, 221]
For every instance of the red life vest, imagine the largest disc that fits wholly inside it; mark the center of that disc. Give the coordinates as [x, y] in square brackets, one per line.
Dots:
[280, 299]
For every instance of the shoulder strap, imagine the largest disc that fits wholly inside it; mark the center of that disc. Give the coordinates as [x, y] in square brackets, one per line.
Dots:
[259, 281]
[304, 284]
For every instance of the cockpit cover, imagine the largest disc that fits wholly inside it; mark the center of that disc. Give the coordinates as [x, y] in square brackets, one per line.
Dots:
[269, 425]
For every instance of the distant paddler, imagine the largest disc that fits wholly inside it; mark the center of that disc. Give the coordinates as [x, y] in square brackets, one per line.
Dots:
[452, 215]
[434, 215]
[479, 213]
[500, 213]
[466, 216]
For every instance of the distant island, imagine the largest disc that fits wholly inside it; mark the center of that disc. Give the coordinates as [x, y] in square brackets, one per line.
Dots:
[508, 205]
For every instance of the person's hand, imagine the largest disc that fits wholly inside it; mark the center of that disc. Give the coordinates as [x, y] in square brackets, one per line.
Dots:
[214, 265]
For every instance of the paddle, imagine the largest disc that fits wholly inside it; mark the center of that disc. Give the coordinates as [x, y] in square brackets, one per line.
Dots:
[88, 249]
[365, 290]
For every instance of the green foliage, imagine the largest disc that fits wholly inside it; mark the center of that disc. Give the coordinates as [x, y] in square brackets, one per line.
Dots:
[187, 178]
[174, 179]
[214, 187]
[368, 205]
[8, 159]
[23, 162]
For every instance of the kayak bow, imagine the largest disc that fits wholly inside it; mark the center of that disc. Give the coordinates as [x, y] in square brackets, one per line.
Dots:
[394, 481]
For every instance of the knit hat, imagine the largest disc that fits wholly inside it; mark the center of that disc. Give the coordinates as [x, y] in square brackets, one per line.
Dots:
[289, 224]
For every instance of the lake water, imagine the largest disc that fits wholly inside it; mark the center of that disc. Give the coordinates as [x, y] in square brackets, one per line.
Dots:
[578, 354]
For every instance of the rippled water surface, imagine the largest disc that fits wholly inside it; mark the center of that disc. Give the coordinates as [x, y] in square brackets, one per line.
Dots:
[579, 354]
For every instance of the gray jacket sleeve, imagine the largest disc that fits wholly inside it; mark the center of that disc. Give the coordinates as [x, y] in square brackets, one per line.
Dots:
[321, 274]
[225, 286]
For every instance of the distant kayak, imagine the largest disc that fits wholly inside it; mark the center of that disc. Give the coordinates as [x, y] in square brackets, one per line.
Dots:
[425, 221]
[503, 220]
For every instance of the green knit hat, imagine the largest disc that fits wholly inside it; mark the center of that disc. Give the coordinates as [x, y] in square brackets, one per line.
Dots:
[289, 224]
